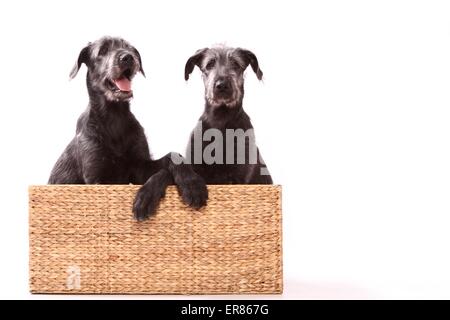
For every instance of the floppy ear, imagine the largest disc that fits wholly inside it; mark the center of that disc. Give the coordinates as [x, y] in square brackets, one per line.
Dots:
[193, 61]
[250, 58]
[83, 57]
[141, 69]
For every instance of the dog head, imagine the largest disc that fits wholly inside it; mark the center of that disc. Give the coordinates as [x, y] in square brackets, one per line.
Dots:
[223, 73]
[112, 63]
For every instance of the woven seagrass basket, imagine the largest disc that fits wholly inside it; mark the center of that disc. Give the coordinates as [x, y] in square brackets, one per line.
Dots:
[83, 240]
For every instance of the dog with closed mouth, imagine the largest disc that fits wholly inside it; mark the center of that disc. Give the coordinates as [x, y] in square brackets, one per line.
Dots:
[110, 146]
[223, 76]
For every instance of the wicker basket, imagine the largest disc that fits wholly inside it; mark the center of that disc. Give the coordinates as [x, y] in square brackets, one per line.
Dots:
[83, 240]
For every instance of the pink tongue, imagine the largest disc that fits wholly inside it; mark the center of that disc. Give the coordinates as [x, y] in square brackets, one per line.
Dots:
[123, 84]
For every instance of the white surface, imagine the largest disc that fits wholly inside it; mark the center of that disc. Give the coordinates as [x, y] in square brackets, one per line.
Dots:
[352, 119]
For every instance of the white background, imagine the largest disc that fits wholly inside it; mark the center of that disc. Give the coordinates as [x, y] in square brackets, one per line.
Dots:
[352, 118]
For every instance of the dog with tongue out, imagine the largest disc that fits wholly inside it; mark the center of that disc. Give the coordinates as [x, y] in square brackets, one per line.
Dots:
[124, 84]
[110, 146]
[112, 63]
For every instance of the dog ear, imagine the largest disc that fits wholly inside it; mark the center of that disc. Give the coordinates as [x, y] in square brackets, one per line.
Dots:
[193, 61]
[250, 59]
[141, 69]
[83, 57]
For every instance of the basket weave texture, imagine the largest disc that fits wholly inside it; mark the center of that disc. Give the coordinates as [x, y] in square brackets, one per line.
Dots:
[83, 240]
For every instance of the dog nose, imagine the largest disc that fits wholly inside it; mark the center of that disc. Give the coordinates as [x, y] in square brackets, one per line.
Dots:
[126, 60]
[222, 85]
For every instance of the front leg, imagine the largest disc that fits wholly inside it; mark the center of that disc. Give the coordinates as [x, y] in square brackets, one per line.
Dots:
[191, 186]
[150, 194]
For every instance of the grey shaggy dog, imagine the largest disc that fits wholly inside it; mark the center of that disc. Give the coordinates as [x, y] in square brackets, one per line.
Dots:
[223, 76]
[110, 146]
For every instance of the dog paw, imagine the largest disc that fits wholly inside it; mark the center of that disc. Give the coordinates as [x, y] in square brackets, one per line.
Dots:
[147, 200]
[194, 192]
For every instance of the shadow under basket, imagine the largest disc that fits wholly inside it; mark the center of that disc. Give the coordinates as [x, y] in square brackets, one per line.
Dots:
[83, 239]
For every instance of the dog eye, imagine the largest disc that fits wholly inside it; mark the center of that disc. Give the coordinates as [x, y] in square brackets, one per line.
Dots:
[103, 50]
[210, 64]
[235, 65]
